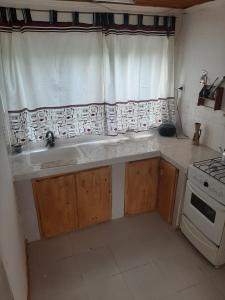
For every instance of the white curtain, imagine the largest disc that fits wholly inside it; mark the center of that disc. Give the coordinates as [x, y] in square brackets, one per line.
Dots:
[77, 80]
[139, 81]
[138, 67]
[52, 68]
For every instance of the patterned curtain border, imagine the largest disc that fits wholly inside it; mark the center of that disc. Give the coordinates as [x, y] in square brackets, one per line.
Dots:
[92, 119]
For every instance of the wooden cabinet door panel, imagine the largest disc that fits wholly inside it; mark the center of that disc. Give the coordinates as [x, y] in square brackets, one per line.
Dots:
[167, 190]
[56, 204]
[141, 186]
[94, 196]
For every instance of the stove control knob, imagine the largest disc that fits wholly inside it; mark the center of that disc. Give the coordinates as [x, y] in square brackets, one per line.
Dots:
[206, 184]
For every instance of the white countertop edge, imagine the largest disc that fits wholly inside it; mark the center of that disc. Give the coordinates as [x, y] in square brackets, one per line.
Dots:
[95, 164]
[179, 152]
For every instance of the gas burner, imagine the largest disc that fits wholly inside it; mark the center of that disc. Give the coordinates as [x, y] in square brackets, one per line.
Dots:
[213, 167]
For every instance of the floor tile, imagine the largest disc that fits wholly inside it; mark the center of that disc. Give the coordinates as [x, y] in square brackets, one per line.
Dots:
[86, 239]
[117, 230]
[129, 253]
[62, 277]
[203, 291]
[112, 288]
[97, 263]
[72, 294]
[49, 251]
[181, 272]
[138, 258]
[147, 282]
[172, 245]
[150, 224]
[165, 245]
[218, 279]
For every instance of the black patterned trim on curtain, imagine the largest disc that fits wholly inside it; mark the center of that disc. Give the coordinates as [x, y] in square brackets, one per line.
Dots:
[162, 25]
[94, 119]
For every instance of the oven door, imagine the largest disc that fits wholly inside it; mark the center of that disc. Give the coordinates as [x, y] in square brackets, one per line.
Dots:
[204, 212]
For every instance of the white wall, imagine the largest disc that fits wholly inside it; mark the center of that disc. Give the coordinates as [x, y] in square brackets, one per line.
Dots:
[27, 210]
[202, 46]
[118, 184]
[12, 248]
[4, 285]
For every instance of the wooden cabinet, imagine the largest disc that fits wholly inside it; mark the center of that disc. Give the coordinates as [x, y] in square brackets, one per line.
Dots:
[141, 186]
[72, 201]
[56, 204]
[77, 200]
[94, 201]
[168, 175]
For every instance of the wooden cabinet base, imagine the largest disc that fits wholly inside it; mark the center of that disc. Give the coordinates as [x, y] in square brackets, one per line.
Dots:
[141, 186]
[94, 200]
[56, 204]
[168, 175]
[67, 202]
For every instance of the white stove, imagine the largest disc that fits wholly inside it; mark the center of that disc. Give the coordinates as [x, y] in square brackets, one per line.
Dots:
[209, 175]
[203, 217]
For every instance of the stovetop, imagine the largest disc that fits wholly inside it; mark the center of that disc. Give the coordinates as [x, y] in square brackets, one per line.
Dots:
[213, 167]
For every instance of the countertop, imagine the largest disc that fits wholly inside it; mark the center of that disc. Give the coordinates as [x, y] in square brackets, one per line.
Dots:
[180, 152]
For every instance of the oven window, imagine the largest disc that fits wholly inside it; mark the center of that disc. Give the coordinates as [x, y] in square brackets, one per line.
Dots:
[201, 206]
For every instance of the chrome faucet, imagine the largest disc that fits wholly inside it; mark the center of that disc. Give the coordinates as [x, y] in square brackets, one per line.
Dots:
[50, 139]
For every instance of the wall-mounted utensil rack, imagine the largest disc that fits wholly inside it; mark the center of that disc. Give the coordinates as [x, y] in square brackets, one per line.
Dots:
[217, 99]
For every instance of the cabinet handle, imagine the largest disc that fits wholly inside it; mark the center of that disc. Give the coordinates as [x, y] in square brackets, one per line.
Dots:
[206, 184]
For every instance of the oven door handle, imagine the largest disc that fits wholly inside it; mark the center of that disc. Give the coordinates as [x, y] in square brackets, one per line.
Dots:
[204, 197]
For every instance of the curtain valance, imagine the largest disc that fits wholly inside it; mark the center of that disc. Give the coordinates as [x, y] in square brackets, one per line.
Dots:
[159, 25]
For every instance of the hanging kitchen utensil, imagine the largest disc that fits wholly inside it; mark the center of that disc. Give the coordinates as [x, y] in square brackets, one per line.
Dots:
[211, 94]
[208, 91]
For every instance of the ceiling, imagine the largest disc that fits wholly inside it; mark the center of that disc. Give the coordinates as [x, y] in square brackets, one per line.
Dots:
[182, 4]
[177, 4]
[141, 6]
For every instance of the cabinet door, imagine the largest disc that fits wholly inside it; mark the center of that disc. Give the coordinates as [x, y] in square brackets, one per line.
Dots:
[167, 190]
[94, 203]
[56, 204]
[141, 186]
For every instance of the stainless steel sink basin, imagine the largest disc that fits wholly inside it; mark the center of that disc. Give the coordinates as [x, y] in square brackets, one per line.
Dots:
[55, 157]
[140, 135]
[105, 141]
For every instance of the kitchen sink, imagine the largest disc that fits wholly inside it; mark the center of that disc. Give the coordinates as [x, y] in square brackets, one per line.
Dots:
[70, 152]
[105, 141]
[55, 157]
[140, 135]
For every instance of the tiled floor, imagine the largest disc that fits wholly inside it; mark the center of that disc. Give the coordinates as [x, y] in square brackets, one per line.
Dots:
[135, 258]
